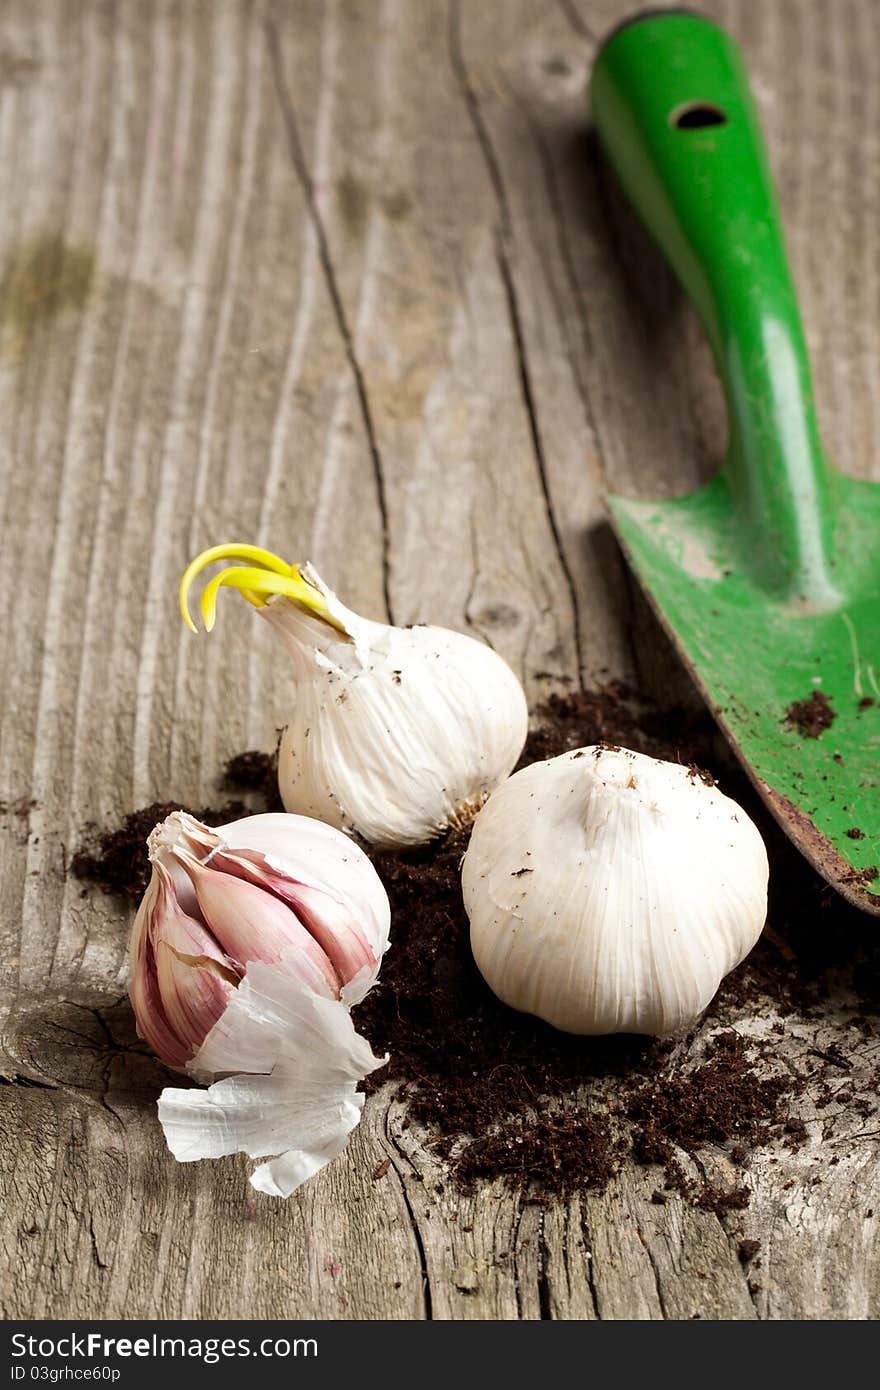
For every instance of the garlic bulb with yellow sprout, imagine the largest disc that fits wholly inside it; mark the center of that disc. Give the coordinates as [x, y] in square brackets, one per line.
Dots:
[394, 733]
[609, 892]
[252, 942]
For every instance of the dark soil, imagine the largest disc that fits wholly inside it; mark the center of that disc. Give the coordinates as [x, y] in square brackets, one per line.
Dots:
[812, 716]
[562, 1153]
[254, 772]
[723, 1101]
[614, 715]
[506, 1096]
[117, 859]
[707, 1104]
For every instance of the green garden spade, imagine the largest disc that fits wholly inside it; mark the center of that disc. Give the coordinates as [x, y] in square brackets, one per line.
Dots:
[768, 578]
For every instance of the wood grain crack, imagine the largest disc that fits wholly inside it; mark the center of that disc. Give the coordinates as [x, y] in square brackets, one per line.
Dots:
[734, 1244]
[750, 1290]
[729, 1236]
[303, 174]
[544, 1300]
[588, 1261]
[427, 1296]
[629, 587]
[658, 1282]
[554, 200]
[514, 1246]
[578, 24]
[468, 606]
[96, 1253]
[503, 256]
[29, 1082]
[504, 268]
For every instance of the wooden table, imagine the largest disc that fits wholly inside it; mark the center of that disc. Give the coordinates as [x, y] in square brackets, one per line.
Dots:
[348, 279]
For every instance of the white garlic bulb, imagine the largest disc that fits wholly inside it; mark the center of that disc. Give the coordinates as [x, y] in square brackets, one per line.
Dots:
[394, 733]
[609, 892]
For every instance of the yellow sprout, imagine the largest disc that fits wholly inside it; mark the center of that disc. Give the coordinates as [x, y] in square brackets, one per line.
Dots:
[267, 574]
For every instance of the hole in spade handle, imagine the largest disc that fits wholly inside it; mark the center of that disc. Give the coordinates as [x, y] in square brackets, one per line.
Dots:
[697, 115]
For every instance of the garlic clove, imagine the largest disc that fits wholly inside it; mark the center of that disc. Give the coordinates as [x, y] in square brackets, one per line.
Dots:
[182, 981]
[268, 842]
[194, 995]
[146, 1000]
[330, 924]
[329, 921]
[611, 892]
[252, 924]
[396, 734]
[194, 978]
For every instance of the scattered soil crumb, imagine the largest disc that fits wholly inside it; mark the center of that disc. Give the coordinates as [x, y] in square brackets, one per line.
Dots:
[20, 807]
[860, 878]
[811, 717]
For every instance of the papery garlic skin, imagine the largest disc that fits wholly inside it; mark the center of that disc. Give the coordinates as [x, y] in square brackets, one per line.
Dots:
[396, 734]
[609, 892]
[296, 1096]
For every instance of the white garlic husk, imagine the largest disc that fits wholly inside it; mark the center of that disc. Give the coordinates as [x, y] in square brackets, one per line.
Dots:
[395, 734]
[609, 892]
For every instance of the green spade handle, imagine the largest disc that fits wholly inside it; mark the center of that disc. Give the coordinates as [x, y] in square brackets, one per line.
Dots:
[674, 114]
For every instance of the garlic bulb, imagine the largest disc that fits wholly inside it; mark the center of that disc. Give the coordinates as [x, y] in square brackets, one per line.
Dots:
[394, 733]
[609, 892]
[251, 943]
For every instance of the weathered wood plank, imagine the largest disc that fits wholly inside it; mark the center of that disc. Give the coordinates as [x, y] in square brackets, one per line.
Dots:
[391, 314]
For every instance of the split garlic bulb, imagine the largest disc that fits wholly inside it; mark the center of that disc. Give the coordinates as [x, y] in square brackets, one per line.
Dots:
[251, 944]
[609, 892]
[396, 734]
